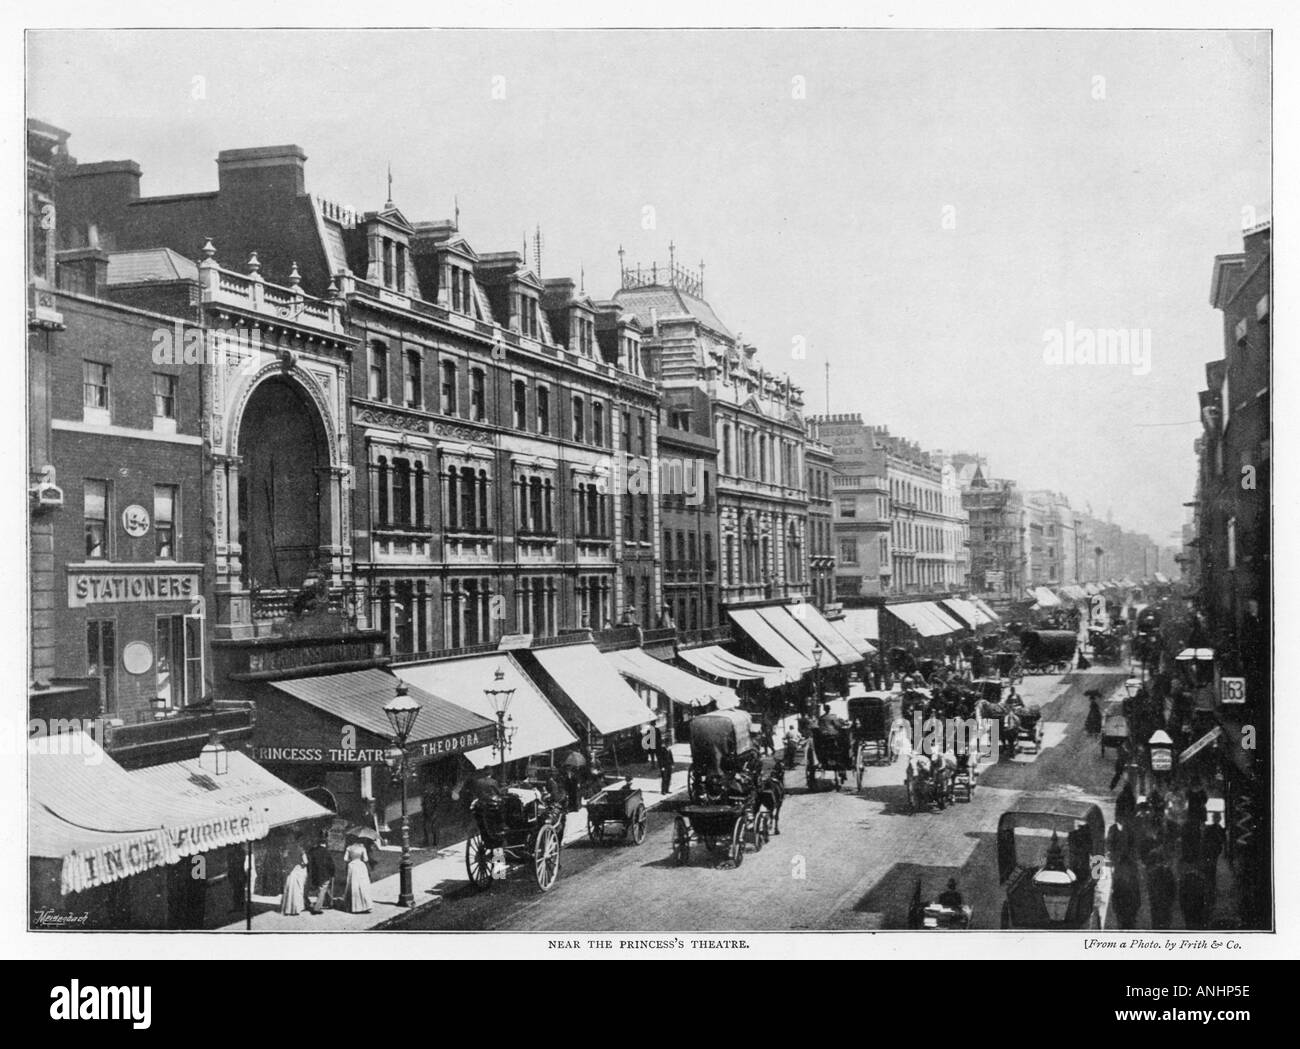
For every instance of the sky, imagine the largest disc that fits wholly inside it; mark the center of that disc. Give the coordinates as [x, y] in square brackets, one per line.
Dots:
[921, 210]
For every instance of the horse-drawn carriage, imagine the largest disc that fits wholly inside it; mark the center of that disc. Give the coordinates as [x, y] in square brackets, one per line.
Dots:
[1049, 855]
[732, 802]
[1047, 651]
[524, 825]
[1114, 726]
[870, 720]
[1107, 646]
[829, 749]
[928, 781]
[1009, 664]
[721, 744]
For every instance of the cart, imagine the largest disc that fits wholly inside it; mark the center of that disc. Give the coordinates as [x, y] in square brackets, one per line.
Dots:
[871, 719]
[1047, 651]
[721, 744]
[621, 805]
[1050, 853]
[966, 778]
[829, 750]
[1114, 726]
[729, 820]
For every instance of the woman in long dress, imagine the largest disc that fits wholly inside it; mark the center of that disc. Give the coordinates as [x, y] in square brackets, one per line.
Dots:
[294, 898]
[356, 894]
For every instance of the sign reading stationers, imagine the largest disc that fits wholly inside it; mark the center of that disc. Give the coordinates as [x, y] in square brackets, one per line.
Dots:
[115, 584]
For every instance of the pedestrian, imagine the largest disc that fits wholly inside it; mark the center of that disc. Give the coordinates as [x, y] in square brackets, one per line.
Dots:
[356, 892]
[237, 875]
[1126, 892]
[1197, 799]
[1192, 897]
[1092, 723]
[574, 765]
[1162, 890]
[767, 735]
[1121, 839]
[429, 813]
[1213, 841]
[293, 899]
[320, 874]
[664, 752]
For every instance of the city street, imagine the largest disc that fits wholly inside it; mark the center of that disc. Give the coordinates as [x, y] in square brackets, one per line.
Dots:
[843, 860]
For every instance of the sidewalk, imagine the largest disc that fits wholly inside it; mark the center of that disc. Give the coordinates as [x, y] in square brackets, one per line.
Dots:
[431, 879]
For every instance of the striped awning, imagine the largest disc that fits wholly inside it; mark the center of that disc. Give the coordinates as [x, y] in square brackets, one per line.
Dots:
[678, 685]
[104, 823]
[718, 662]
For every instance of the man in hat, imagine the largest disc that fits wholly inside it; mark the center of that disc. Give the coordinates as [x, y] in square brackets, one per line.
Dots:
[950, 897]
[320, 874]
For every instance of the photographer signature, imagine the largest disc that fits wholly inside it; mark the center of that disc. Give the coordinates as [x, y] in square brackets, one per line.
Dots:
[47, 918]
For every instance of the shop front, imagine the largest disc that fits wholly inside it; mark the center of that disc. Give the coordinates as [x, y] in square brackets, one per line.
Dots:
[110, 850]
[328, 736]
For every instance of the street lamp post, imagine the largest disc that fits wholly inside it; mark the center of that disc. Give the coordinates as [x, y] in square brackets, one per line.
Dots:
[402, 711]
[499, 697]
[817, 691]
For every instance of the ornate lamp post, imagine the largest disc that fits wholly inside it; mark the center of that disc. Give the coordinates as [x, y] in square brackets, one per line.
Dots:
[1056, 882]
[214, 757]
[499, 697]
[401, 712]
[817, 654]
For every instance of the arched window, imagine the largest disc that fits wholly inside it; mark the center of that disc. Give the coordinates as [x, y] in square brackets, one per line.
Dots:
[598, 424]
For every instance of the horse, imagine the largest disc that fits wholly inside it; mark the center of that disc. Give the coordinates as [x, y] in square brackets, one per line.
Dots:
[771, 794]
[1008, 724]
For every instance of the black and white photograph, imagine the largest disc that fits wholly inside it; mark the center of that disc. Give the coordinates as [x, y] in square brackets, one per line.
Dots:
[697, 483]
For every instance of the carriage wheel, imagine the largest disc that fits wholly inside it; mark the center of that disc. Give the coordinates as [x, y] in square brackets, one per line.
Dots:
[546, 857]
[596, 830]
[638, 825]
[478, 861]
[681, 841]
[764, 829]
[736, 852]
[755, 833]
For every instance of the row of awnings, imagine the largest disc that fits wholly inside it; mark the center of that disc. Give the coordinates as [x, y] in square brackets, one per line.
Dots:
[792, 635]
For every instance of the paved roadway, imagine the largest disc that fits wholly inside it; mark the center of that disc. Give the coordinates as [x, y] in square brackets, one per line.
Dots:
[846, 860]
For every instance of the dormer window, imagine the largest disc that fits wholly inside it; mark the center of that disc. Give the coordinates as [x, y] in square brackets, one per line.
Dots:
[462, 291]
[584, 334]
[392, 263]
[631, 355]
[529, 323]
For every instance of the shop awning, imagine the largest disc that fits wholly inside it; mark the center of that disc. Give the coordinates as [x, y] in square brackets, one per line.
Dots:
[795, 624]
[924, 618]
[811, 619]
[1045, 598]
[244, 785]
[967, 612]
[539, 727]
[859, 645]
[594, 687]
[104, 824]
[1091, 589]
[862, 622]
[677, 684]
[720, 663]
[357, 698]
[769, 640]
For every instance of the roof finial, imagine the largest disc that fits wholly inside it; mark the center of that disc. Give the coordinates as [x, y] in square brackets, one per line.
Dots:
[295, 278]
[456, 203]
[208, 250]
[672, 263]
[582, 279]
[389, 202]
[253, 264]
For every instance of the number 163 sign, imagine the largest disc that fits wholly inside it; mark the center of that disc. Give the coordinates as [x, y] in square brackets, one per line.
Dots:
[1233, 690]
